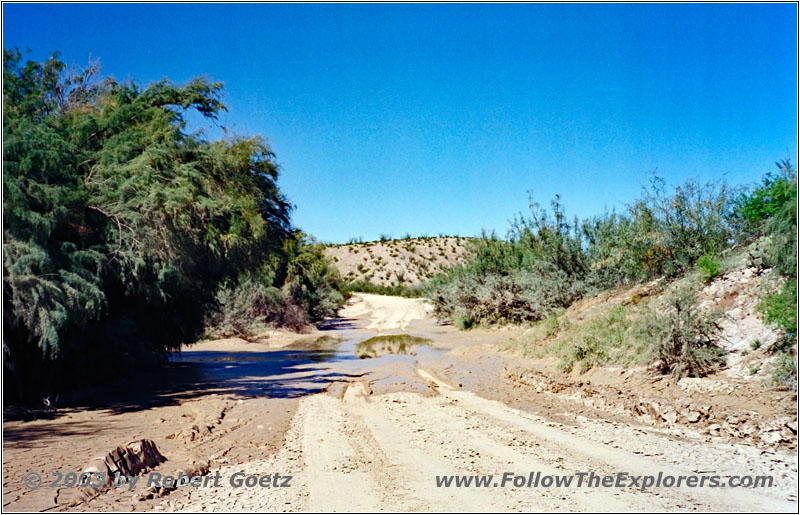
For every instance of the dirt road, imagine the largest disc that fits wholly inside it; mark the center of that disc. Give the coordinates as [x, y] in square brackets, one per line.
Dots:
[383, 453]
[381, 430]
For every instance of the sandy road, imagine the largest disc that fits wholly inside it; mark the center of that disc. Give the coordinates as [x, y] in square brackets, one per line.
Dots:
[358, 452]
[349, 449]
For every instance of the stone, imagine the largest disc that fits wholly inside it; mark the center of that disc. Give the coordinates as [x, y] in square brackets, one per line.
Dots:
[131, 459]
[771, 437]
[748, 428]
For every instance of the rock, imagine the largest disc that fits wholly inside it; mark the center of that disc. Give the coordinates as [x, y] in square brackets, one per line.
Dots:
[733, 420]
[670, 416]
[189, 468]
[131, 459]
[792, 425]
[693, 416]
[771, 437]
[748, 428]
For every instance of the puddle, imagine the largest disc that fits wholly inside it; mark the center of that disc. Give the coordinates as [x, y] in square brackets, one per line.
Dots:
[302, 369]
[403, 344]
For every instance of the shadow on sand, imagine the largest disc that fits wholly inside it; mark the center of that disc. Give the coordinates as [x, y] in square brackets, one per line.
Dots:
[337, 324]
[192, 374]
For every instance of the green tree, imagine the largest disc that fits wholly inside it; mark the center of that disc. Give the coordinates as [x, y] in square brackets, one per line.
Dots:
[116, 216]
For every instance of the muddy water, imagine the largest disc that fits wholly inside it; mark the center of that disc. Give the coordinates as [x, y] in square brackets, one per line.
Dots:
[294, 372]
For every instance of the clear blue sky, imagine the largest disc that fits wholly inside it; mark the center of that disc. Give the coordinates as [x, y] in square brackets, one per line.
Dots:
[439, 118]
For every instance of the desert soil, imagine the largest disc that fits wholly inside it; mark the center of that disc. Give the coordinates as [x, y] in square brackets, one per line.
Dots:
[373, 434]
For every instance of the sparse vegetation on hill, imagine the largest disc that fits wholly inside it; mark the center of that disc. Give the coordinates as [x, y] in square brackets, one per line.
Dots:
[771, 209]
[684, 237]
[395, 266]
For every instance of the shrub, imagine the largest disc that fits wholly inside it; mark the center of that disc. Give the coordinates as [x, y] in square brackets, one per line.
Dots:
[244, 308]
[547, 261]
[754, 208]
[683, 337]
[311, 279]
[601, 341]
[708, 267]
[465, 322]
[670, 232]
[364, 286]
[785, 372]
[297, 286]
[777, 200]
[523, 279]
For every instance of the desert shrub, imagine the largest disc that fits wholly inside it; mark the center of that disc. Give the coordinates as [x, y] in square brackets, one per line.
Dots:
[755, 208]
[671, 231]
[587, 352]
[780, 309]
[615, 337]
[525, 278]
[781, 252]
[520, 296]
[296, 286]
[311, 279]
[771, 209]
[785, 372]
[683, 337]
[709, 267]
[553, 324]
[613, 251]
[465, 322]
[608, 339]
[548, 261]
[245, 308]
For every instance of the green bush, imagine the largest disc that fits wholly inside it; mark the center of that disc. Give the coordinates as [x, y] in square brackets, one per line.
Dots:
[244, 309]
[708, 267]
[757, 207]
[683, 337]
[780, 309]
[309, 277]
[785, 372]
[604, 340]
[465, 323]
[771, 209]
[671, 231]
[547, 261]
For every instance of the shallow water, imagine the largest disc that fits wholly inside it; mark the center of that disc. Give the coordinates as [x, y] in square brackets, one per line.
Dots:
[289, 372]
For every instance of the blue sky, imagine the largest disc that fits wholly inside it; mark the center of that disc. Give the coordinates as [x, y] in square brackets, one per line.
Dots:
[431, 119]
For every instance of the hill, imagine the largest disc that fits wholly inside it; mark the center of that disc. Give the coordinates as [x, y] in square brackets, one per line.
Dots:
[403, 262]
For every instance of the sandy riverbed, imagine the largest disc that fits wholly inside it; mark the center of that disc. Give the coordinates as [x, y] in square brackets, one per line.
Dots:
[372, 434]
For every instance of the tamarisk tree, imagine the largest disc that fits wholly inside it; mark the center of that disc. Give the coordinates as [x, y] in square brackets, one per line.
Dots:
[118, 224]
